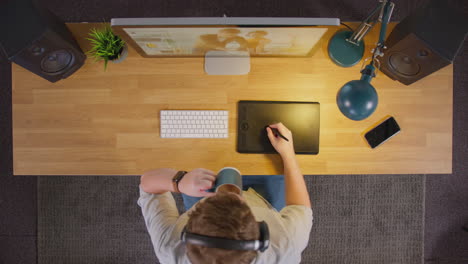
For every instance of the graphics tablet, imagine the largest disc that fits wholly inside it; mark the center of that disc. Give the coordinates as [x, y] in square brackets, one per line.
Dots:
[302, 118]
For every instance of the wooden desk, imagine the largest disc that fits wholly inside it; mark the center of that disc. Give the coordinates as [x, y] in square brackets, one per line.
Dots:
[106, 123]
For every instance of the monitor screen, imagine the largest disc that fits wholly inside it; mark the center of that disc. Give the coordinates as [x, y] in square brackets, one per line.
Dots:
[193, 37]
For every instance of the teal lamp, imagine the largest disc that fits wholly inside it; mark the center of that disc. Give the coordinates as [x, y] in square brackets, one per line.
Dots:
[358, 99]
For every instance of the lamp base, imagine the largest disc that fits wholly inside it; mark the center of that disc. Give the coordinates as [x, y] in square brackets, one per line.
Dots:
[344, 53]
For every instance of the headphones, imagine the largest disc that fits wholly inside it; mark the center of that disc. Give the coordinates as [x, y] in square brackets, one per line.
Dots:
[224, 243]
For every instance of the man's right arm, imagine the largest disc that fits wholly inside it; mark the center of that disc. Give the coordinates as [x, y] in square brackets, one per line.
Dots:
[297, 215]
[295, 187]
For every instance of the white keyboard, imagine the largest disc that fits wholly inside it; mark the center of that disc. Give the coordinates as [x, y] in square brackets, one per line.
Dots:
[194, 124]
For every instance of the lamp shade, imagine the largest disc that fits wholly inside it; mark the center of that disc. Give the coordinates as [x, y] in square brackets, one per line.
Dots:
[357, 99]
[344, 53]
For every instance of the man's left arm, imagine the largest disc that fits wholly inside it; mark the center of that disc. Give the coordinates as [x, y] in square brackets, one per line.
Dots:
[194, 183]
[158, 206]
[157, 181]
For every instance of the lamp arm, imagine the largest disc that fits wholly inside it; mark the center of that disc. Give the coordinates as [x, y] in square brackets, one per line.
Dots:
[364, 28]
[387, 13]
[378, 51]
[368, 23]
[369, 71]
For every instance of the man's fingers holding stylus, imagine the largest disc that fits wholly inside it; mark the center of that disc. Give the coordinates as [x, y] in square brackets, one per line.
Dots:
[281, 128]
[271, 136]
[274, 125]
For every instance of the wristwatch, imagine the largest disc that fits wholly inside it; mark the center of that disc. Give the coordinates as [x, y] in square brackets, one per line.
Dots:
[177, 178]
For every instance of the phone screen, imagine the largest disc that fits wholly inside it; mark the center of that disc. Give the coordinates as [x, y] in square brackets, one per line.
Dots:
[382, 132]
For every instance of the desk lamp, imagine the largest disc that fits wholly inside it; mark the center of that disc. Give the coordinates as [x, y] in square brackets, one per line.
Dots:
[358, 99]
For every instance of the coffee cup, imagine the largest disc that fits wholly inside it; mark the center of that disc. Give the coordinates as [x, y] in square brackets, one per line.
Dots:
[230, 178]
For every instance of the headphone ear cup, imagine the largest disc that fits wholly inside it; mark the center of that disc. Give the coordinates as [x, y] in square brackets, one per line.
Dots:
[182, 234]
[264, 236]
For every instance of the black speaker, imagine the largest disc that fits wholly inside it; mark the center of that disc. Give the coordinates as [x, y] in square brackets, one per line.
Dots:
[424, 42]
[34, 38]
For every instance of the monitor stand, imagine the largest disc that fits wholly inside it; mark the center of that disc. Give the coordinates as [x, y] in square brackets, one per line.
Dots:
[218, 62]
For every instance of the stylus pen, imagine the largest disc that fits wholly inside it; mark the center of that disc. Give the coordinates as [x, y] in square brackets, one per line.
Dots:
[277, 133]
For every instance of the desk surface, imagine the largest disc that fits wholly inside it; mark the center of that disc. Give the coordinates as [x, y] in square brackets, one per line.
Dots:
[107, 123]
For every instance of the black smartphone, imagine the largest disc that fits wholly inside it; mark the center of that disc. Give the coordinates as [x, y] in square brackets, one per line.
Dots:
[382, 132]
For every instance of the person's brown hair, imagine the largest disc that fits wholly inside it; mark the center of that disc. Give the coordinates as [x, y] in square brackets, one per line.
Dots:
[223, 215]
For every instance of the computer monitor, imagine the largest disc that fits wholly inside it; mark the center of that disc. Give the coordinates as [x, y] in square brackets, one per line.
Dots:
[226, 42]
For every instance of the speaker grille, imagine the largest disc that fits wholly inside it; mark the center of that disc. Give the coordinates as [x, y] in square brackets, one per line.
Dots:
[56, 61]
[404, 64]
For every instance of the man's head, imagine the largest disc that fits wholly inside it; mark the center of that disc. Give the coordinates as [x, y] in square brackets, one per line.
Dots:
[224, 215]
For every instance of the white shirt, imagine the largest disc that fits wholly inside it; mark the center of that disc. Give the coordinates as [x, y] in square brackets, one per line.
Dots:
[289, 228]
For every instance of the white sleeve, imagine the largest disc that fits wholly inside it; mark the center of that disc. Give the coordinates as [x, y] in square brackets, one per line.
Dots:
[160, 215]
[297, 220]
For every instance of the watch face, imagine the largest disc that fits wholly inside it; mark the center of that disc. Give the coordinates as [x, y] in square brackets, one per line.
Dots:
[179, 176]
[175, 181]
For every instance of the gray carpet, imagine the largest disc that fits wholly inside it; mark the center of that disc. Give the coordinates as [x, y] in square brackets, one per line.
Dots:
[91, 220]
[358, 219]
[366, 219]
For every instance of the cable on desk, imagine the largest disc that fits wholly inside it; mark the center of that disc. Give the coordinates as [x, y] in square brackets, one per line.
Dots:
[347, 26]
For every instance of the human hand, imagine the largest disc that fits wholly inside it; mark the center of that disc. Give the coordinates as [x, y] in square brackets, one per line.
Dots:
[283, 147]
[196, 182]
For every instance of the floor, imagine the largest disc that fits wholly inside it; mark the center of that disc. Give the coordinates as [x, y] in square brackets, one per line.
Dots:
[446, 196]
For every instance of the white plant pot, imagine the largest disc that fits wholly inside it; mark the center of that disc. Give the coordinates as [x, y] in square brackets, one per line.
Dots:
[123, 55]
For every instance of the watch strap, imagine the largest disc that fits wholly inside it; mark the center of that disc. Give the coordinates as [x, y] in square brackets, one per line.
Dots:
[176, 179]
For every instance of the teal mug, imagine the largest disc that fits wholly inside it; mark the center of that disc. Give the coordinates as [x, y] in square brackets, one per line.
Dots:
[229, 176]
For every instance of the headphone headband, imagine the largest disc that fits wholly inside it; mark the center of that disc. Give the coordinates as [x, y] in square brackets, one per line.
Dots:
[225, 243]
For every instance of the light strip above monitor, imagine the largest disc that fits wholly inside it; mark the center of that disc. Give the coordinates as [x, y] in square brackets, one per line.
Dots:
[238, 21]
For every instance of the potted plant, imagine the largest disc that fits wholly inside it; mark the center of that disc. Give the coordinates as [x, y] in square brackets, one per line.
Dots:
[107, 46]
